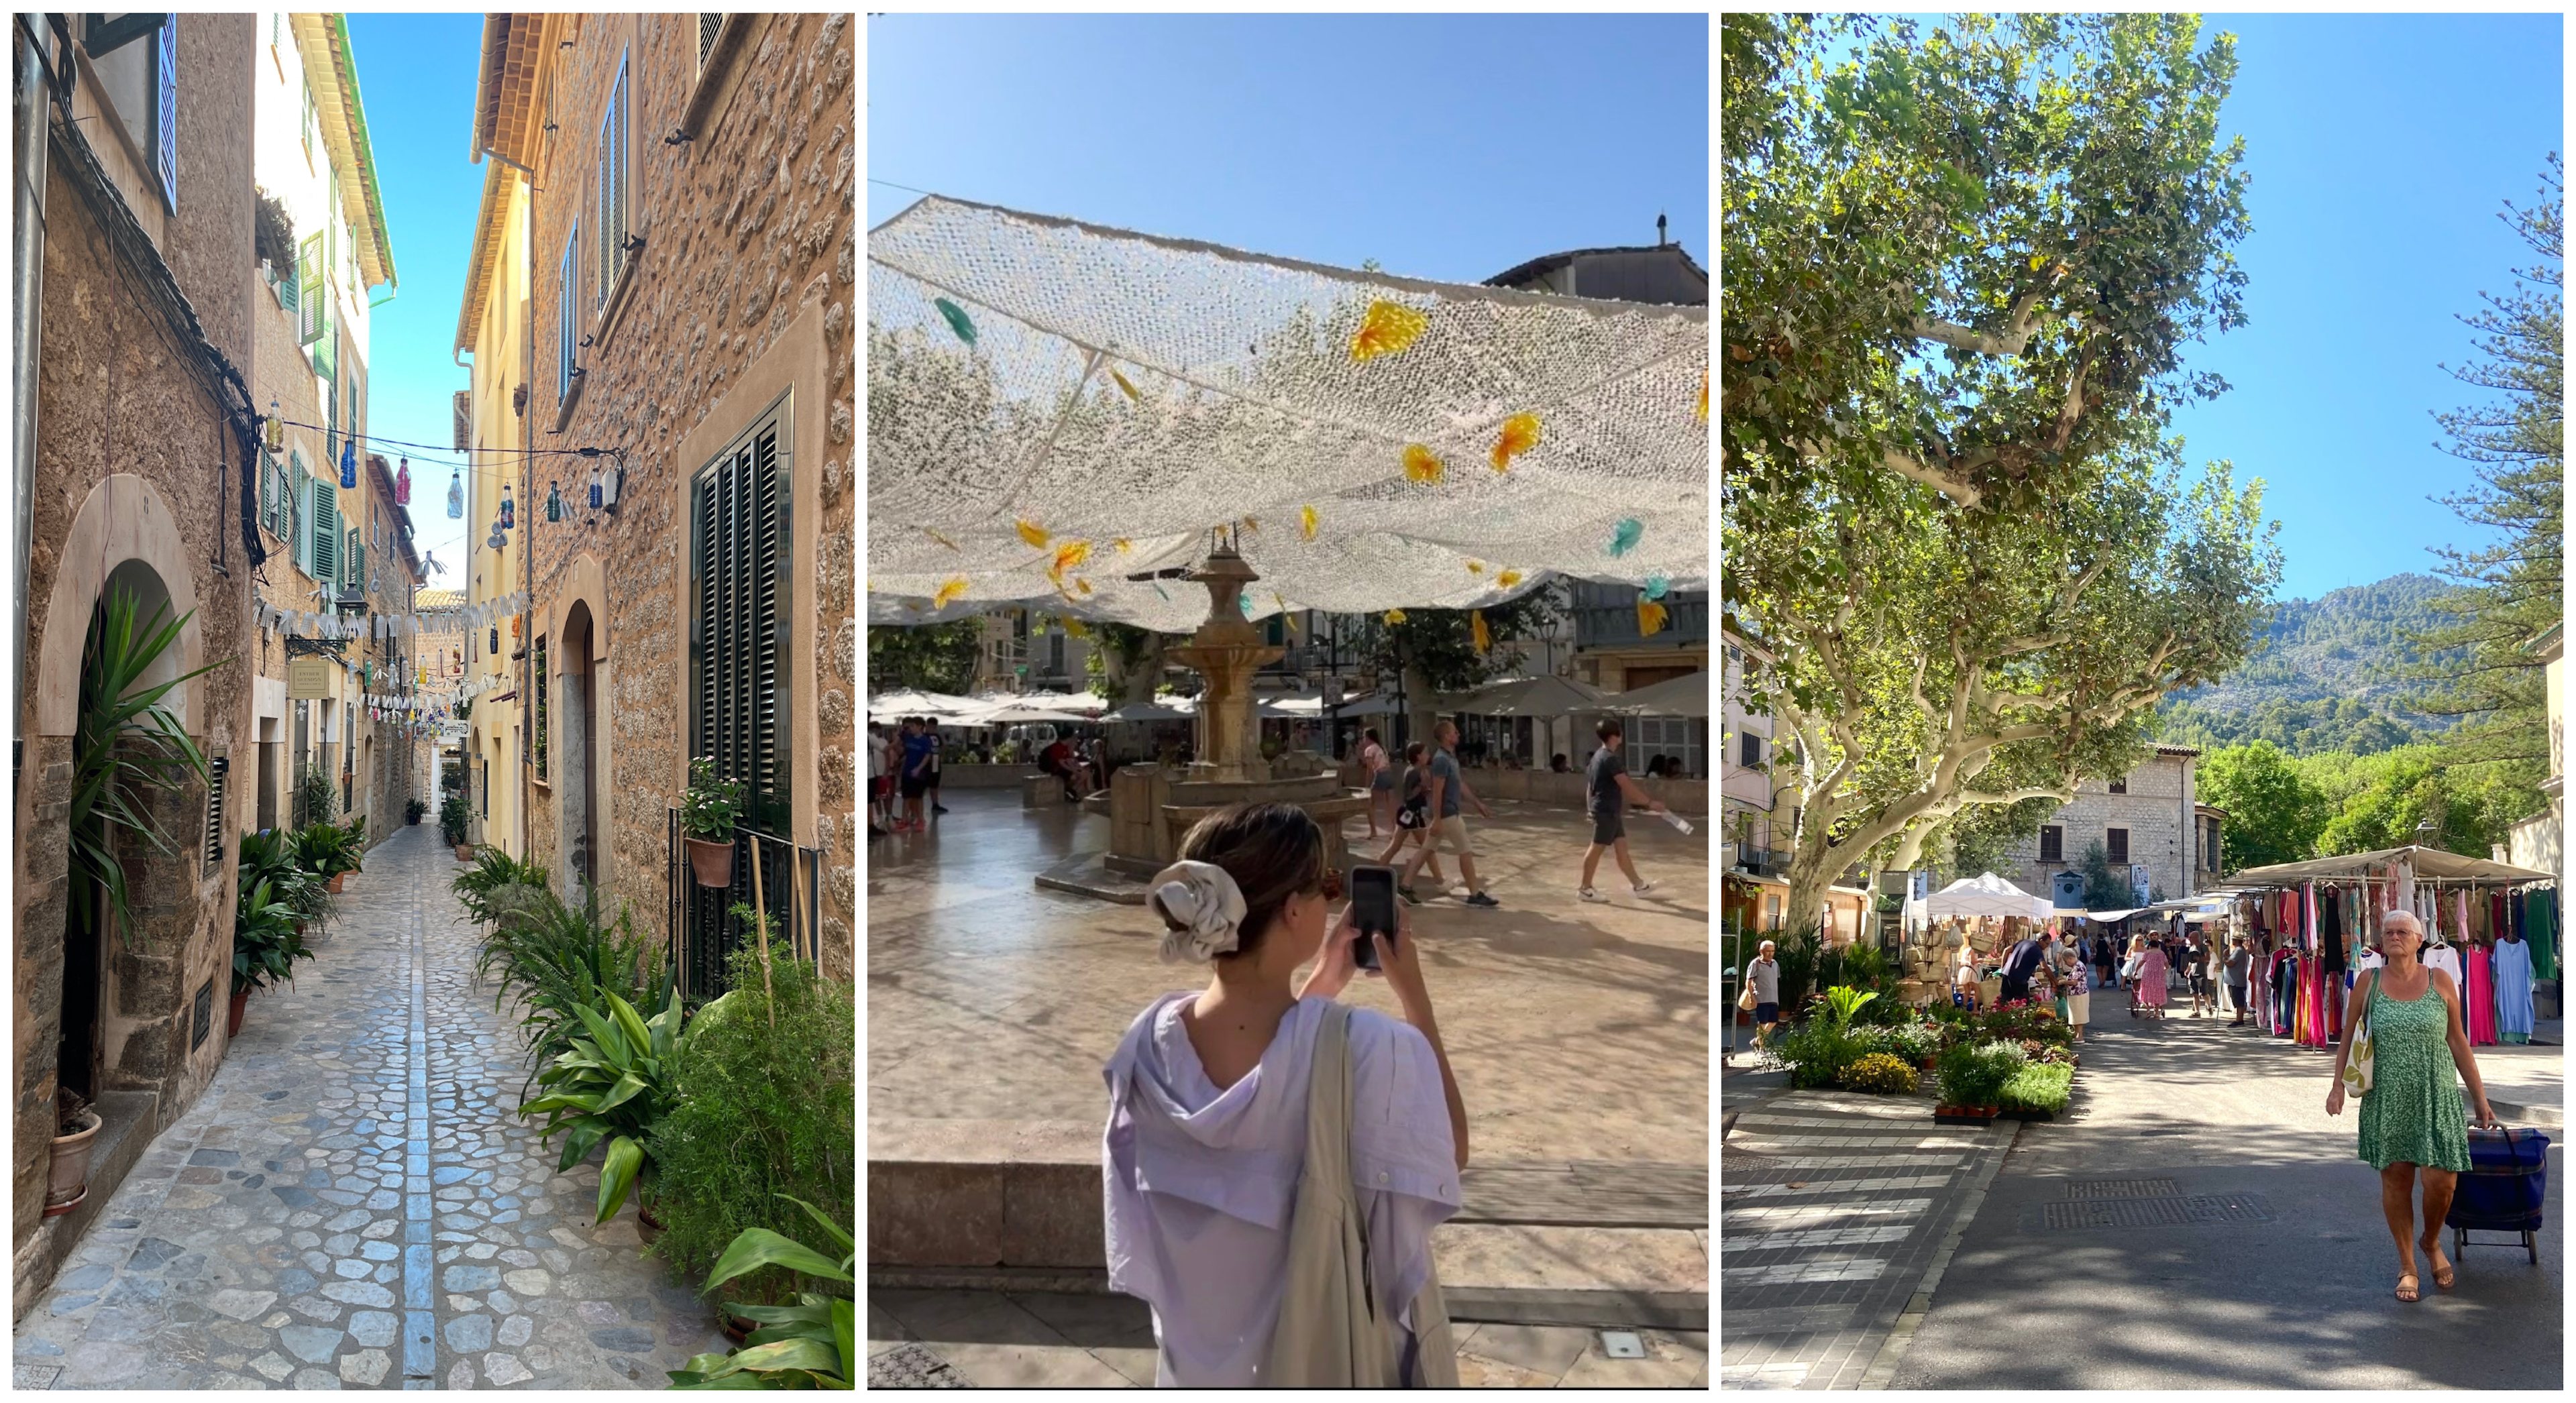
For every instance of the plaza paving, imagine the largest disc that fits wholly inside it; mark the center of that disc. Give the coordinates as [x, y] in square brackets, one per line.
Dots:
[1577, 1030]
[354, 1202]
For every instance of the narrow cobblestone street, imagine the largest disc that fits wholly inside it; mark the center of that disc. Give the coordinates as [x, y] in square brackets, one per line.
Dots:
[356, 1203]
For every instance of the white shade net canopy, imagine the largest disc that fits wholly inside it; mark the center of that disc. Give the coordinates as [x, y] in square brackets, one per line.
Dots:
[1055, 407]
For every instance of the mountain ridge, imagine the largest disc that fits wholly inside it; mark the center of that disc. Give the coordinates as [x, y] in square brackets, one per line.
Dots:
[2326, 674]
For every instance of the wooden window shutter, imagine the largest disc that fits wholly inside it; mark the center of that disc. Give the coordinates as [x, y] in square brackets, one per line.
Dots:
[326, 531]
[166, 45]
[353, 561]
[302, 527]
[567, 311]
[310, 312]
[267, 489]
[738, 547]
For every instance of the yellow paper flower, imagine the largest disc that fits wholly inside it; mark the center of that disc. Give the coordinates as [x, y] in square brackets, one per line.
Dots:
[1306, 518]
[1071, 554]
[1508, 578]
[1285, 618]
[1083, 585]
[1073, 626]
[1519, 436]
[1422, 465]
[1394, 617]
[1388, 328]
[1475, 567]
[1121, 545]
[1703, 396]
[1252, 525]
[1650, 618]
[1484, 637]
[948, 590]
[1135, 397]
[1034, 534]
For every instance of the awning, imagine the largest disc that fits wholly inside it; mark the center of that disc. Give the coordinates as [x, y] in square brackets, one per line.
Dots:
[1675, 696]
[1031, 715]
[2427, 863]
[1530, 696]
[2107, 917]
[1985, 895]
[1147, 711]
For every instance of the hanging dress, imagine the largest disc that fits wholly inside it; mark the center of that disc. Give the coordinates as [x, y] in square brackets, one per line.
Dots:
[2478, 1000]
[2540, 931]
[2513, 991]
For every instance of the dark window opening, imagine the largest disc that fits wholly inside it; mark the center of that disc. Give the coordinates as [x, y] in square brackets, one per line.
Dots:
[2120, 785]
[2117, 840]
[2052, 844]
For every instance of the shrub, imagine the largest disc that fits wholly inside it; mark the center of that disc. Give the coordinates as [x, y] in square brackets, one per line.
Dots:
[1879, 1073]
[1817, 1051]
[563, 959]
[493, 869]
[453, 815]
[615, 1086]
[766, 1088]
[1973, 1074]
[2038, 1087]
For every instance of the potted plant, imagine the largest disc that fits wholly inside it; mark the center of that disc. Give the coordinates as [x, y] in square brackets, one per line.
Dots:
[268, 939]
[412, 812]
[614, 1086]
[454, 814]
[329, 852]
[126, 743]
[76, 1128]
[1972, 1077]
[707, 815]
[805, 1345]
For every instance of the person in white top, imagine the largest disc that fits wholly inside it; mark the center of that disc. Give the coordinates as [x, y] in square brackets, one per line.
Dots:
[1381, 775]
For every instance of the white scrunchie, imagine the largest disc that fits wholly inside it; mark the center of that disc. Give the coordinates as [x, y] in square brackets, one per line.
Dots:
[1204, 898]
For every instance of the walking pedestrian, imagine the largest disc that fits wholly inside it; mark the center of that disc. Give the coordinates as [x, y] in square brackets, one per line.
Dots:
[1413, 813]
[876, 780]
[2195, 970]
[1765, 974]
[1448, 824]
[2151, 992]
[918, 752]
[1210, 1219]
[2240, 976]
[1381, 775]
[2411, 1122]
[2074, 992]
[1608, 791]
[930, 727]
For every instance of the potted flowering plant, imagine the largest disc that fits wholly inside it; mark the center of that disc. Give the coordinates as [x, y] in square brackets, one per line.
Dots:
[707, 816]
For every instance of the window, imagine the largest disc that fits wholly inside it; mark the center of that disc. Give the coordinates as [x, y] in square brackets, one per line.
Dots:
[537, 739]
[2120, 785]
[165, 125]
[2052, 843]
[313, 309]
[1752, 750]
[353, 561]
[2117, 840]
[738, 568]
[565, 316]
[612, 190]
[322, 551]
[709, 26]
[309, 126]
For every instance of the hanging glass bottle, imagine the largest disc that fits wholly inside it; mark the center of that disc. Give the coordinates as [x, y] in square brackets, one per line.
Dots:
[276, 428]
[554, 501]
[509, 513]
[402, 485]
[348, 462]
[456, 494]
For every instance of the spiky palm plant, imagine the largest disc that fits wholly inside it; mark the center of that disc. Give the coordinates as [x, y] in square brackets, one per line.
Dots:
[125, 744]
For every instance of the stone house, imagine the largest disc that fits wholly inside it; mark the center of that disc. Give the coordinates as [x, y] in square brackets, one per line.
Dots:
[136, 464]
[2150, 817]
[437, 673]
[326, 512]
[693, 234]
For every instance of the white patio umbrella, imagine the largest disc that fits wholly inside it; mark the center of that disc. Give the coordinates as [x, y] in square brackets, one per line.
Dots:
[1032, 715]
[1149, 711]
[1676, 696]
[1986, 895]
[1530, 696]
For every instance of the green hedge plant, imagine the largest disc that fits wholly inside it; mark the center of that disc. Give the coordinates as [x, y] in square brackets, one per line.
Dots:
[613, 1085]
[2038, 1086]
[1973, 1074]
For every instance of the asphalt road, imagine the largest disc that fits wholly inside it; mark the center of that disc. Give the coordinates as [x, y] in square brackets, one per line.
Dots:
[2295, 1292]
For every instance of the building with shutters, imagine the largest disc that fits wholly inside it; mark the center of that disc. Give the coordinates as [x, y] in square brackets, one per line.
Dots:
[2151, 817]
[495, 435]
[691, 214]
[323, 512]
[438, 672]
[135, 474]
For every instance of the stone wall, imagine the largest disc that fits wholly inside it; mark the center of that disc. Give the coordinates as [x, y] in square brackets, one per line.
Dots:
[745, 289]
[2152, 811]
[134, 461]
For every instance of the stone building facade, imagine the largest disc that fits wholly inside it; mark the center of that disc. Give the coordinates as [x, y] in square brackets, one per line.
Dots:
[2154, 818]
[143, 453]
[693, 236]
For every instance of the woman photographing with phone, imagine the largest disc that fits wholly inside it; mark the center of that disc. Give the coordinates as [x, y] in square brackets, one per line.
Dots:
[1247, 1261]
[2411, 1121]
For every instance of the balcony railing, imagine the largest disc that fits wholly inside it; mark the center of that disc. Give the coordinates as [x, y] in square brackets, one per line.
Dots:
[771, 875]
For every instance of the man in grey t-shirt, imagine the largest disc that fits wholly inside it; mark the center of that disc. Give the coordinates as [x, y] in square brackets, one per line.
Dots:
[1448, 825]
[1607, 792]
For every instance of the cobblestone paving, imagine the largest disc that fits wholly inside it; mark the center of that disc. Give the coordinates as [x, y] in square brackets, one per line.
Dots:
[355, 1202]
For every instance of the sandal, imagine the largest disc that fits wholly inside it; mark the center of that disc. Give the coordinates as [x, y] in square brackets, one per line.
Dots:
[2447, 1273]
[2406, 1289]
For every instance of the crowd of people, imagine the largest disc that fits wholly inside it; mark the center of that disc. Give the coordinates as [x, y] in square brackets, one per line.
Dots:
[2065, 967]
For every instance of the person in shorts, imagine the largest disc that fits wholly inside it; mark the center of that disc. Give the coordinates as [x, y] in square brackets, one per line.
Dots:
[1381, 775]
[1448, 824]
[2240, 974]
[919, 752]
[1607, 793]
[1765, 974]
[1413, 812]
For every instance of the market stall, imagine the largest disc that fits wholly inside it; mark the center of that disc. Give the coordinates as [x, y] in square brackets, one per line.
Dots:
[2491, 926]
[1955, 937]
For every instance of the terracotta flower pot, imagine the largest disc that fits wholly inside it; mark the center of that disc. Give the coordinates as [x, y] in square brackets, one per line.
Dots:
[336, 879]
[736, 1328]
[241, 1005]
[465, 852]
[711, 862]
[70, 1181]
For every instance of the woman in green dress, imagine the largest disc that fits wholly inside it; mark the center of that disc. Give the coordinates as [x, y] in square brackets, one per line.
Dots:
[2411, 1119]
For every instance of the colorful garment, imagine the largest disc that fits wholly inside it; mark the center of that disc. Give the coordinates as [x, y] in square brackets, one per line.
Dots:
[2151, 978]
[2479, 1002]
[2513, 991]
[2412, 1113]
[2540, 932]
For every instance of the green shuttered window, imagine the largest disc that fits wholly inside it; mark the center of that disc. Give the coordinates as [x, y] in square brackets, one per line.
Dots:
[738, 565]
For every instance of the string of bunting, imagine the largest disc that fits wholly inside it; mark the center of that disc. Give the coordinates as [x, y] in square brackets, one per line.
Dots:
[307, 623]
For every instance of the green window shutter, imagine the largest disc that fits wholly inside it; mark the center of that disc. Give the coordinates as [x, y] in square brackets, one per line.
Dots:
[738, 528]
[354, 561]
[326, 531]
[267, 489]
[311, 314]
[304, 485]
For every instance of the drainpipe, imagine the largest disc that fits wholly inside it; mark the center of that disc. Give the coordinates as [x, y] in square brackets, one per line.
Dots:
[28, 285]
[527, 558]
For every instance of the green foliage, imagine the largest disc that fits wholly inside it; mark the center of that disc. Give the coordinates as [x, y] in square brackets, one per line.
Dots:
[2380, 801]
[1879, 1073]
[267, 938]
[454, 814]
[2274, 812]
[806, 1345]
[925, 657]
[2295, 727]
[126, 745]
[2485, 670]
[1797, 953]
[2347, 644]
[710, 808]
[1983, 837]
[1125, 661]
[1974, 1074]
[493, 869]
[270, 857]
[327, 850]
[316, 796]
[1438, 646]
[2106, 888]
[767, 1106]
[1817, 1051]
[561, 959]
[1844, 1001]
[2037, 1086]
[414, 810]
[613, 1085]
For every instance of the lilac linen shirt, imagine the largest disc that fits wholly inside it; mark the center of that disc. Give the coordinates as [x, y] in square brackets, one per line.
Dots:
[1200, 1183]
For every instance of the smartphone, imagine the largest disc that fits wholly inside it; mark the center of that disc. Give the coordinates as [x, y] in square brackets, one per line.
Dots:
[1372, 910]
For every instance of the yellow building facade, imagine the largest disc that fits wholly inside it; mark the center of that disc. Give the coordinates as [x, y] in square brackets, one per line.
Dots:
[493, 432]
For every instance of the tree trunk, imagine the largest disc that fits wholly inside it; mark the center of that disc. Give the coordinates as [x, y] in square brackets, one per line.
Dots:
[1811, 871]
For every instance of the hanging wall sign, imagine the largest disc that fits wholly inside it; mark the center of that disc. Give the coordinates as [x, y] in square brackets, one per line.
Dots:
[308, 678]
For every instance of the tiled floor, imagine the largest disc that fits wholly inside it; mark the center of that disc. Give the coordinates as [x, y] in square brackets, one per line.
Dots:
[354, 1202]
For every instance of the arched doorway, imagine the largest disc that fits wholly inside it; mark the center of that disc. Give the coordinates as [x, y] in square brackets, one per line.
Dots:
[576, 797]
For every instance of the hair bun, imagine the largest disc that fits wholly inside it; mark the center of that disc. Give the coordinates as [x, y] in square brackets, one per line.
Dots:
[1202, 909]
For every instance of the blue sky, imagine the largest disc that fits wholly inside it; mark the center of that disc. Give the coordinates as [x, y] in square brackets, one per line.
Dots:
[416, 76]
[1448, 147]
[2381, 149]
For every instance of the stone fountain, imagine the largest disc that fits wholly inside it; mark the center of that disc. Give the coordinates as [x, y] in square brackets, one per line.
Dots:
[1152, 806]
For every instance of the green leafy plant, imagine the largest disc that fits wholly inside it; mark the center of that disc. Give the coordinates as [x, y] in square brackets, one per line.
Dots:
[125, 745]
[612, 1085]
[1817, 1051]
[1973, 1074]
[414, 809]
[811, 1344]
[269, 856]
[767, 1085]
[315, 796]
[1879, 1073]
[267, 939]
[493, 869]
[562, 959]
[2038, 1086]
[1845, 1001]
[326, 850]
[453, 816]
[710, 809]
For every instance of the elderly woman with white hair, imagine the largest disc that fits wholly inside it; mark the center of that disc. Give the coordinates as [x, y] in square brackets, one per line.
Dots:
[2411, 1123]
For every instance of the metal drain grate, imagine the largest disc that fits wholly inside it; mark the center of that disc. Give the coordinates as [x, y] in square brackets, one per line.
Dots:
[2122, 1188]
[2181, 1211]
